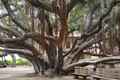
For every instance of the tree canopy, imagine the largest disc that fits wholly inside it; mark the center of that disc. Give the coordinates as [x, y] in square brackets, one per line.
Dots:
[39, 30]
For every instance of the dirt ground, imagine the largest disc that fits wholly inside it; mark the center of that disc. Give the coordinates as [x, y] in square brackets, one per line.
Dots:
[25, 73]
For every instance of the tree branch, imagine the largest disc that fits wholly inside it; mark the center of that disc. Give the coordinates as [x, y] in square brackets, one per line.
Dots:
[89, 18]
[19, 41]
[9, 31]
[86, 62]
[86, 44]
[11, 14]
[18, 51]
[97, 27]
[33, 35]
[4, 15]
[47, 5]
[73, 3]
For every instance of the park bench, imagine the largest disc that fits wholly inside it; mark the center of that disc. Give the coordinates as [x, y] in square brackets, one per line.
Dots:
[98, 77]
[106, 74]
[107, 68]
[83, 73]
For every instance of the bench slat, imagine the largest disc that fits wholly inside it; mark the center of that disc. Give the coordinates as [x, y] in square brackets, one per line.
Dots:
[100, 74]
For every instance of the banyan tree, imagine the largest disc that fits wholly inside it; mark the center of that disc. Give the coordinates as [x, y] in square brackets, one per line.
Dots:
[39, 31]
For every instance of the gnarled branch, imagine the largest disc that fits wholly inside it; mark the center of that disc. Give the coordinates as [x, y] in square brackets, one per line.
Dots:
[86, 62]
[11, 14]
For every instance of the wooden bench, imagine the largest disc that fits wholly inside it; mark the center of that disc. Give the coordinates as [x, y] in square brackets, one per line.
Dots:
[2, 66]
[91, 77]
[81, 73]
[97, 77]
[100, 74]
[107, 74]
[77, 76]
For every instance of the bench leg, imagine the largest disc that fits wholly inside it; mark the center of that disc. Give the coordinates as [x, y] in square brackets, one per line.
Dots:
[97, 78]
[84, 78]
[76, 77]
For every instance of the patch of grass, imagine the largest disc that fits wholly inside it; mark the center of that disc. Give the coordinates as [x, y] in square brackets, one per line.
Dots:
[22, 62]
[9, 62]
[18, 62]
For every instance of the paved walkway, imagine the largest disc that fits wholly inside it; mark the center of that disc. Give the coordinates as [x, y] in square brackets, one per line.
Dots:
[25, 73]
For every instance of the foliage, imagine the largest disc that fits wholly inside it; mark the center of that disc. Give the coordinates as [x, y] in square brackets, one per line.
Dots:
[18, 62]
[38, 30]
[22, 62]
[76, 19]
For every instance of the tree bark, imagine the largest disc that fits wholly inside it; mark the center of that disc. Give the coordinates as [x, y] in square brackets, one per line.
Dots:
[86, 62]
[60, 61]
[36, 68]
[52, 53]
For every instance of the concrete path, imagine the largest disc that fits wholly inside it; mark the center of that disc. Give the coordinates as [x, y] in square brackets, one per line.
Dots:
[25, 73]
